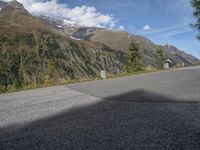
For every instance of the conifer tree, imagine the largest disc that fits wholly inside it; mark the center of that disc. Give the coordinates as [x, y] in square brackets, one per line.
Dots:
[196, 5]
[134, 59]
[160, 58]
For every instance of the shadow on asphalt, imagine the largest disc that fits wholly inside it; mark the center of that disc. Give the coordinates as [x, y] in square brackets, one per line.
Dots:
[141, 95]
[113, 123]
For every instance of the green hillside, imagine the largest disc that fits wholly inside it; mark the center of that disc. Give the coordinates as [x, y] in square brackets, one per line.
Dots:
[33, 54]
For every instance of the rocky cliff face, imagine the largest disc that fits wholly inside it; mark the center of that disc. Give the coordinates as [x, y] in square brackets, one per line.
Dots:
[33, 53]
[120, 40]
[178, 56]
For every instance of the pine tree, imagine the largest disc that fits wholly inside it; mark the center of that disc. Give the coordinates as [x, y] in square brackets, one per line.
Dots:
[196, 5]
[134, 59]
[160, 58]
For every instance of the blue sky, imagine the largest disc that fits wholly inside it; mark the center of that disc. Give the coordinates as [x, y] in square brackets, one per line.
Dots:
[166, 21]
[162, 21]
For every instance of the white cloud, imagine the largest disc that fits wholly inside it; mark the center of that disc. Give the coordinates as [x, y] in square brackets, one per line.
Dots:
[173, 33]
[167, 32]
[167, 29]
[6, 0]
[147, 27]
[81, 15]
[121, 28]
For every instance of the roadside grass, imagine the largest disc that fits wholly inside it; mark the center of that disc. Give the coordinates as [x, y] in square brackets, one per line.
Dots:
[133, 73]
[11, 90]
[109, 76]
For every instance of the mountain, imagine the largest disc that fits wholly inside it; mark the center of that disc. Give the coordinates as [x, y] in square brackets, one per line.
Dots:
[179, 56]
[38, 50]
[120, 40]
[33, 53]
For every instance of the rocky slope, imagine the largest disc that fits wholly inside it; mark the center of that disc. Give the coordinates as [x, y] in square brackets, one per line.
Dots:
[120, 40]
[33, 53]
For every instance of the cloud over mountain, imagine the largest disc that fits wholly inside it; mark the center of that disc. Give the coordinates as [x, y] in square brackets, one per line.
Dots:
[81, 15]
[147, 27]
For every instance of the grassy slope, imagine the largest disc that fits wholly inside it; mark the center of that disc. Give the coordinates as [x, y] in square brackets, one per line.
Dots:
[33, 54]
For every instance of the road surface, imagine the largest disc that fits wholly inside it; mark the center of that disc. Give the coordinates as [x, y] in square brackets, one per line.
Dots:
[150, 111]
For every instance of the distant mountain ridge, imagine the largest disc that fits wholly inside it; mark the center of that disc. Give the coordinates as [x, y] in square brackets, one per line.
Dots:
[120, 40]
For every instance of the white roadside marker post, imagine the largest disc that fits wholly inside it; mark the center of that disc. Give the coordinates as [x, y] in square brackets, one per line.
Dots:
[103, 74]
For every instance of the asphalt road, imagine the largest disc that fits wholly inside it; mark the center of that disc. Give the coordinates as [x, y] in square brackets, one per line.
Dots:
[151, 111]
[181, 85]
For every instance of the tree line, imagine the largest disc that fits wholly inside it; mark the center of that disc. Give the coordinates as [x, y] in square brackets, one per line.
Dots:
[134, 62]
[134, 59]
